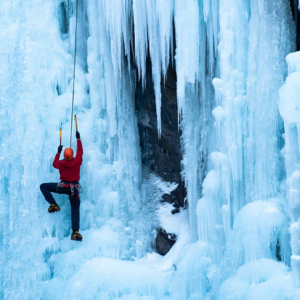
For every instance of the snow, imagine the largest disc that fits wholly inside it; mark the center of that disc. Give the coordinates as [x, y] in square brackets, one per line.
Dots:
[106, 278]
[253, 237]
[238, 236]
[262, 279]
[173, 223]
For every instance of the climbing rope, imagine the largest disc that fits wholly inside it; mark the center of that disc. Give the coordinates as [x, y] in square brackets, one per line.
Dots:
[74, 72]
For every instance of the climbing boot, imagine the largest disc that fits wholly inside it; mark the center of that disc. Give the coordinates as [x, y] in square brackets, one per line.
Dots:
[53, 208]
[76, 236]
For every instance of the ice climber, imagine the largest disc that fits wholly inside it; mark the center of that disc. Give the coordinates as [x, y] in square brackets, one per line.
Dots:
[69, 170]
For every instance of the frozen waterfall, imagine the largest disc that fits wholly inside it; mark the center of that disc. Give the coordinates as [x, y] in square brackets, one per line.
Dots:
[237, 90]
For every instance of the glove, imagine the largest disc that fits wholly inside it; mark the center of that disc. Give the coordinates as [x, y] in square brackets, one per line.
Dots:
[77, 135]
[59, 149]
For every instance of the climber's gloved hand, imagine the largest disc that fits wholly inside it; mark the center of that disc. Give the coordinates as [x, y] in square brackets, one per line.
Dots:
[59, 149]
[77, 135]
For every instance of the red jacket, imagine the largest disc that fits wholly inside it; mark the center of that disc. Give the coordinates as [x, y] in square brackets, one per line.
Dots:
[69, 170]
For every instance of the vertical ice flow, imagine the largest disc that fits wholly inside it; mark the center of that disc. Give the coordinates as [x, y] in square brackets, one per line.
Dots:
[246, 164]
[288, 106]
[153, 33]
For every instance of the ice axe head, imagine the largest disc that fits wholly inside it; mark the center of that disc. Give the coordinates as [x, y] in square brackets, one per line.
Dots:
[60, 135]
[76, 124]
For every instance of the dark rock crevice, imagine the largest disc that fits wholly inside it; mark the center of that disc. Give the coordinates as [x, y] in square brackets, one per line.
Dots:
[64, 22]
[164, 241]
[278, 251]
[162, 155]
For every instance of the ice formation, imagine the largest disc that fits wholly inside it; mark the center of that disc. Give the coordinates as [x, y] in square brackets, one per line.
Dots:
[289, 109]
[239, 236]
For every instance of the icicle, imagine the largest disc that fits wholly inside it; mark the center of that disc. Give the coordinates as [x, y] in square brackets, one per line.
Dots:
[153, 29]
[140, 34]
[187, 41]
[165, 11]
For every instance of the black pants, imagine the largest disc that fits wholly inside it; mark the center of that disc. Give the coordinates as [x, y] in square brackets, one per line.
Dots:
[48, 188]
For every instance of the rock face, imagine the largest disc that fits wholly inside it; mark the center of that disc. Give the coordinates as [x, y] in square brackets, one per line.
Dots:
[164, 241]
[162, 156]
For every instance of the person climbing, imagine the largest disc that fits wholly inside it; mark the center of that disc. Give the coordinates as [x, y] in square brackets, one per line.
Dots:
[69, 169]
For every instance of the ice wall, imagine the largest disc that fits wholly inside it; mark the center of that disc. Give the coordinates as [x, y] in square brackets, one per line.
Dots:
[247, 164]
[233, 240]
[36, 81]
[288, 106]
[29, 77]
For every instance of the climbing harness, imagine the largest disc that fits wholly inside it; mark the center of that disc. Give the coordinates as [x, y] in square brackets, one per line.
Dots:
[74, 73]
[75, 188]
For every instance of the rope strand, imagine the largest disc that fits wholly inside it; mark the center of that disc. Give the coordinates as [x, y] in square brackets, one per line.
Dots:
[74, 72]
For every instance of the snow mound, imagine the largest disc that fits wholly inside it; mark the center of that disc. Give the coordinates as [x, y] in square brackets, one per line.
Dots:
[107, 279]
[264, 279]
[190, 279]
[258, 233]
[134, 297]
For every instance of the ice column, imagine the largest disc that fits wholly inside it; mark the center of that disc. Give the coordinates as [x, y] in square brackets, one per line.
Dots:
[231, 111]
[223, 191]
[153, 27]
[255, 36]
[196, 26]
[270, 40]
[33, 60]
[111, 84]
[289, 108]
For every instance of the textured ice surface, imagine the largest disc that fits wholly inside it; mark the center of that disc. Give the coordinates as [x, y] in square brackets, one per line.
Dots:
[258, 229]
[289, 103]
[238, 238]
[289, 109]
[105, 278]
[262, 279]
